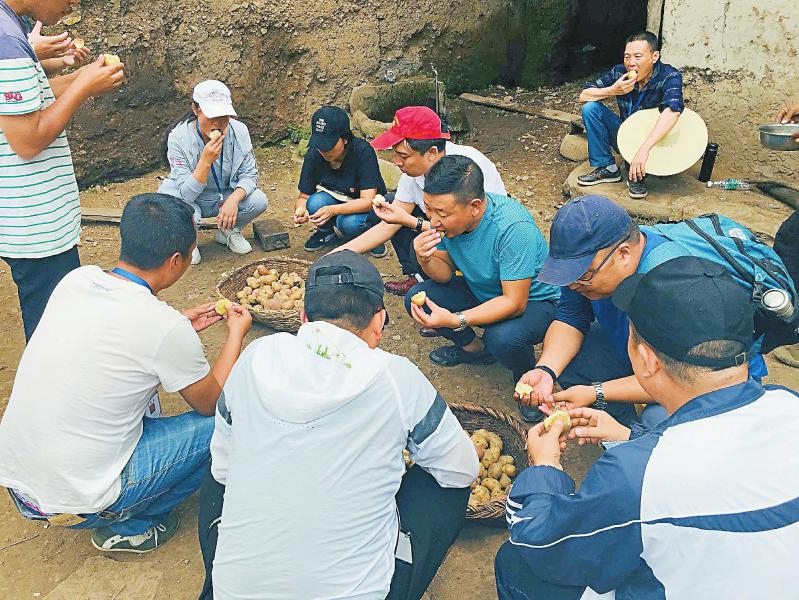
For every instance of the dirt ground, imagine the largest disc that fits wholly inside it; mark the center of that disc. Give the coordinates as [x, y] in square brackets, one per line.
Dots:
[35, 560]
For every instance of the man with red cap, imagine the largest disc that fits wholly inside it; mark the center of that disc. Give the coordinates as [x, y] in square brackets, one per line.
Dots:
[419, 140]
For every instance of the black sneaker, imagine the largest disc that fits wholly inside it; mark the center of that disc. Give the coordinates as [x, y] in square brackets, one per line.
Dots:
[637, 189]
[378, 251]
[600, 175]
[449, 356]
[319, 239]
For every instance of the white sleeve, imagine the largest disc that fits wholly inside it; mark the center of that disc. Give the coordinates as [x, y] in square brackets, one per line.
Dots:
[436, 440]
[408, 191]
[180, 360]
[492, 180]
[220, 440]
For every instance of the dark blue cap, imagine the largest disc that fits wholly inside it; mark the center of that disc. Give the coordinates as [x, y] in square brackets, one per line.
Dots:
[328, 125]
[579, 230]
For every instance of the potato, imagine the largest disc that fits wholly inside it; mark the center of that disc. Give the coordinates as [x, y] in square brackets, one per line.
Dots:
[274, 304]
[274, 272]
[483, 472]
[214, 135]
[504, 481]
[288, 305]
[479, 495]
[506, 460]
[301, 212]
[486, 460]
[480, 452]
[79, 43]
[241, 295]
[495, 470]
[475, 483]
[296, 295]
[276, 286]
[495, 442]
[257, 308]
[480, 441]
[111, 60]
[492, 454]
[558, 415]
[247, 290]
[419, 299]
[253, 283]
[251, 298]
[631, 75]
[222, 305]
[509, 470]
[284, 278]
[269, 278]
[490, 483]
[256, 274]
[523, 389]
[483, 433]
[498, 494]
[299, 304]
[263, 270]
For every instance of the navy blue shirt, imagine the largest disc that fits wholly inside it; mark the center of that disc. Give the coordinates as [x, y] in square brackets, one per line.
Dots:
[662, 91]
[358, 171]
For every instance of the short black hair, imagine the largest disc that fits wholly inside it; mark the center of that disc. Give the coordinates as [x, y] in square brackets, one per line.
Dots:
[153, 228]
[458, 175]
[344, 304]
[645, 36]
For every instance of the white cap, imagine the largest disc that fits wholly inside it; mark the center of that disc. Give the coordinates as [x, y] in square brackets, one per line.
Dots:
[214, 99]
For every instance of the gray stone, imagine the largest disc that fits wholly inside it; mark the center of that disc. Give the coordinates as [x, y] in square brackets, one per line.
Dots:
[271, 234]
[368, 128]
[391, 174]
[380, 102]
[574, 147]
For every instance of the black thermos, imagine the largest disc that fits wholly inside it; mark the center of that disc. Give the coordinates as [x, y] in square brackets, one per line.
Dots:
[708, 161]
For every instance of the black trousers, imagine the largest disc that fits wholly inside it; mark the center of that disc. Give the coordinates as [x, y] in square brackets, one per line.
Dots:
[515, 581]
[403, 241]
[36, 279]
[431, 514]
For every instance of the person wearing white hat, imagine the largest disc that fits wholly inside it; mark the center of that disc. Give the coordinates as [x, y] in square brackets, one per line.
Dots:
[213, 167]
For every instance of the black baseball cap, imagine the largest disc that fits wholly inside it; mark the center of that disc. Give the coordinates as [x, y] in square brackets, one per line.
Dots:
[580, 229]
[687, 301]
[347, 268]
[328, 125]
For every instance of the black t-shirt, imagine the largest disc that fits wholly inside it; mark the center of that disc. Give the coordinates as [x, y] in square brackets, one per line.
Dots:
[359, 171]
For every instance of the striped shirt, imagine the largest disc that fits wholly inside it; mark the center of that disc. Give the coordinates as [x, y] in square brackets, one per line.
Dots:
[39, 202]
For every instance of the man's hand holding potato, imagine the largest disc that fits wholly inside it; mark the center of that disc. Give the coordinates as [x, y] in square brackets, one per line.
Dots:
[789, 114]
[591, 426]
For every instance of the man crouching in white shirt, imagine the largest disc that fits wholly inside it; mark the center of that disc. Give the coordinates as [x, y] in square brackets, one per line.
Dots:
[308, 454]
[75, 446]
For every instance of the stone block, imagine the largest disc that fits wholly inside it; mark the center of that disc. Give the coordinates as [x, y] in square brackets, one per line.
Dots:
[271, 234]
[574, 147]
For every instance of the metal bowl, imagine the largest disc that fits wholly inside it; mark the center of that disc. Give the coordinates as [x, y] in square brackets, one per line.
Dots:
[778, 136]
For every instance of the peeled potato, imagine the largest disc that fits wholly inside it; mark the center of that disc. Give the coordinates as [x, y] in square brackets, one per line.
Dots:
[111, 60]
[632, 74]
[215, 135]
[523, 389]
[419, 299]
[378, 201]
[222, 305]
[79, 43]
[558, 415]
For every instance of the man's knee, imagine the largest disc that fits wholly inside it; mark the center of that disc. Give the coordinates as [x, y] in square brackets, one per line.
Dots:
[351, 226]
[508, 564]
[319, 199]
[592, 110]
[256, 203]
[503, 340]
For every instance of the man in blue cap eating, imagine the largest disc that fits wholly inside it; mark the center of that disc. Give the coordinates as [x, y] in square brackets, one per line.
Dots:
[594, 246]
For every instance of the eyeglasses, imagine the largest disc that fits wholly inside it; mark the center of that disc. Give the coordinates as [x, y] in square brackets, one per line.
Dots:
[604, 260]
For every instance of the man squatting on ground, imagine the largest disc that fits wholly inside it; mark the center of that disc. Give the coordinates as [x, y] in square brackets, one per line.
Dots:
[658, 86]
[594, 246]
[40, 208]
[76, 445]
[419, 140]
[495, 243]
[706, 505]
[307, 452]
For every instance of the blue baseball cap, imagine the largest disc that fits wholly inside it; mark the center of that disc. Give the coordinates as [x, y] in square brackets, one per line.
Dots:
[579, 230]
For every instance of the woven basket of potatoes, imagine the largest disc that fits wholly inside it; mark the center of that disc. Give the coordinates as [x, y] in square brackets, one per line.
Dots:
[501, 444]
[273, 289]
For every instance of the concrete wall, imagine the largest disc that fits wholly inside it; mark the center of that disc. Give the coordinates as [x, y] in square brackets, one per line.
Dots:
[741, 63]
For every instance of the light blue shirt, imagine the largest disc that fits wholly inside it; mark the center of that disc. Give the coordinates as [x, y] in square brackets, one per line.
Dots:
[506, 246]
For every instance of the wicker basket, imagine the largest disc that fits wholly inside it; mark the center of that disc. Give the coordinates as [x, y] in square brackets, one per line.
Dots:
[514, 442]
[281, 320]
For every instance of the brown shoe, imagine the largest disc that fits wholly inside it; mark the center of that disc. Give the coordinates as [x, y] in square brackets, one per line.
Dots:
[401, 288]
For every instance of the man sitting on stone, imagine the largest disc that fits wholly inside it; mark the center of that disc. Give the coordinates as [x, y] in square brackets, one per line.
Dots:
[419, 140]
[703, 506]
[76, 446]
[495, 243]
[308, 455]
[641, 82]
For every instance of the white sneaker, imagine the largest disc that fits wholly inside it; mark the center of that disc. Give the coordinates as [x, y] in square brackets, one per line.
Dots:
[233, 240]
[195, 256]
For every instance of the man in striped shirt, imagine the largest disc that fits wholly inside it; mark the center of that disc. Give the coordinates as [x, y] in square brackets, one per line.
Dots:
[39, 203]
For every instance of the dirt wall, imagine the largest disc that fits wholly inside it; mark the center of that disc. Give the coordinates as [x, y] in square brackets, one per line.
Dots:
[741, 66]
[284, 58]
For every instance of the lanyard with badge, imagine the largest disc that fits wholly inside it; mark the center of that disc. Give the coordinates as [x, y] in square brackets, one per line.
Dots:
[221, 162]
[154, 405]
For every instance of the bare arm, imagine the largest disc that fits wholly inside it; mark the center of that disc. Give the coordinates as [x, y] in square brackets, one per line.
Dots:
[511, 304]
[61, 83]
[666, 121]
[622, 86]
[626, 389]
[359, 205]
[371, 238]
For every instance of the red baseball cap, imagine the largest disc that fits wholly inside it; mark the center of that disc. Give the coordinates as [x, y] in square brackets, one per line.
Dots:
[411, 122]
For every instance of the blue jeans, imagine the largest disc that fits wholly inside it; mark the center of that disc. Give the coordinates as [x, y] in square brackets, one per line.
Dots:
[602, 127]
[510, 342]
[208, 204]
[166, 467]
[351, 226]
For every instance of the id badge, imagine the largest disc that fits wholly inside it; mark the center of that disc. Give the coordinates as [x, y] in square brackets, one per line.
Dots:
[153, 407]
[404, 551]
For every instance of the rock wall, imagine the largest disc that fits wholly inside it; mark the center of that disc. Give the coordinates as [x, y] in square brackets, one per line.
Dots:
[741, 65]
[283, 58]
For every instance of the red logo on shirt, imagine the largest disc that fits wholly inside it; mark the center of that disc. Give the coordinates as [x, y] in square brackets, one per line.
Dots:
[13, 97]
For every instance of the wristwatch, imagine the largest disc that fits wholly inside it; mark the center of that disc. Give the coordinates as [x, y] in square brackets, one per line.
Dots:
[462, 319]
[419, 224]
[600, 403]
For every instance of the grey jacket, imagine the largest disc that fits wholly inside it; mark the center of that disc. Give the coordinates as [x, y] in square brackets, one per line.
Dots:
[184, 149]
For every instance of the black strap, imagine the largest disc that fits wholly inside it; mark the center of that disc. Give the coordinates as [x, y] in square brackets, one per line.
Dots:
[744, 274]
[546, 369]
